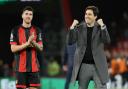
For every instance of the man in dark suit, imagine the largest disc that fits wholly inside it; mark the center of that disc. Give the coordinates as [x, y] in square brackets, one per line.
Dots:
[68, 62]
[89, 59]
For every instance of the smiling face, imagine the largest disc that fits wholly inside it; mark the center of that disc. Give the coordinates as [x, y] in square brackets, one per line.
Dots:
[89, 16]
[27, 16]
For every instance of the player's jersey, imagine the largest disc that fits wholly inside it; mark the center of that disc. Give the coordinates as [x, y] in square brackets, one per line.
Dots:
[26, 59]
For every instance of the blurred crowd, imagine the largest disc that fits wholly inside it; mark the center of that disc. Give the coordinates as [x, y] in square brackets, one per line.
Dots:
[117, 54]
[118, 65]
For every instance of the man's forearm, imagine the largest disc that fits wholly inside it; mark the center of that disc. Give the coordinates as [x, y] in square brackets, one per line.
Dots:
[72, 38]
[16, 48]
[37, 46]
[105, 36]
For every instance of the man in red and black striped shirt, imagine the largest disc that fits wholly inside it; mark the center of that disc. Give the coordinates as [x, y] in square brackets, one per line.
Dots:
[25, 41]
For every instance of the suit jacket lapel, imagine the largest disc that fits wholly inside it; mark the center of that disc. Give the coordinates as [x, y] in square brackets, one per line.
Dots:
[85, 32]
[94, 30]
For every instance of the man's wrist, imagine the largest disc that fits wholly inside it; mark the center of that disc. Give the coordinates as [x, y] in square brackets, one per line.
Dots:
[33, 42]
[72, 27]
[103, 26]
[26, 44]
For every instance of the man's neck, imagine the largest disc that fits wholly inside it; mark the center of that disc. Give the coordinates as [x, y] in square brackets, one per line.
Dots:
[91, 24]
[26, 25]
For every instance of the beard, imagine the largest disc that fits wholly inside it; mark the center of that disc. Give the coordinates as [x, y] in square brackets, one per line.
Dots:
[27, 20]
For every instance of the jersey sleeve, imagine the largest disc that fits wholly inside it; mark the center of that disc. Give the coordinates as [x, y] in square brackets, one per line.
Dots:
[13, 38]
[39, 37]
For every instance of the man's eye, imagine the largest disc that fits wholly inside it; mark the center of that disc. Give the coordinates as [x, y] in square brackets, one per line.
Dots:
[26, 13]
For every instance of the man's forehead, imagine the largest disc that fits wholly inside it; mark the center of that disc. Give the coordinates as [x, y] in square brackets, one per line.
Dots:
[89, 11]
[27, 11]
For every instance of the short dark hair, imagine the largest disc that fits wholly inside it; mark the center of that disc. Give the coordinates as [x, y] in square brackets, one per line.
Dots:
[94, 9]
[29, 8]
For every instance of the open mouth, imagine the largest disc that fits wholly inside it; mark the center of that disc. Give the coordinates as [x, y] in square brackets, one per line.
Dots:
[87, 20]
[28, 18]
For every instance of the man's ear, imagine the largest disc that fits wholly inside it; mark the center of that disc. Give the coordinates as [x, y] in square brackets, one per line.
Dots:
[22, 15]
[95, 17]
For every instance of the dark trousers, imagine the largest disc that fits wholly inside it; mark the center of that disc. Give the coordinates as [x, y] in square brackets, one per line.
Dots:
[68, 77]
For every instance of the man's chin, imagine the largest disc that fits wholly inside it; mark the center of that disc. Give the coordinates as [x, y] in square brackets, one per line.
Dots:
[27, 22]
[87, 22]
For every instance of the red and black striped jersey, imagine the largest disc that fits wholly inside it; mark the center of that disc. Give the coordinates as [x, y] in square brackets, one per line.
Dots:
[26, 59]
